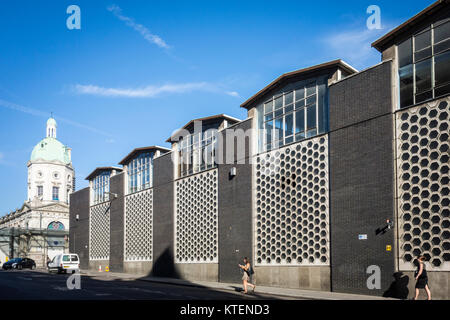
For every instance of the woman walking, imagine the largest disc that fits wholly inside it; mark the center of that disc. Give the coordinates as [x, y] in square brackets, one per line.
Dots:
[422, 278]
[248, 271]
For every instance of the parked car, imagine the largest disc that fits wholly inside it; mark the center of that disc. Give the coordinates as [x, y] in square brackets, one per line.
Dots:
[64, 263]
[19, 263]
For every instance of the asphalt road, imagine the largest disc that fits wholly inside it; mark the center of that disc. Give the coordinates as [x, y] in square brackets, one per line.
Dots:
[40, 285]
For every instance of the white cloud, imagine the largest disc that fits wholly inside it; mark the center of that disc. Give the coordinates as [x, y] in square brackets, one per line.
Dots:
[232, 93]
[354, 46]
[152, 38]
[110, 141]
[151, 91]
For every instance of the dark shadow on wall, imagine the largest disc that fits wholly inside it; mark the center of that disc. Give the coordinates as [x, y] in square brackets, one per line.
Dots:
[164, 266]
[399, 288]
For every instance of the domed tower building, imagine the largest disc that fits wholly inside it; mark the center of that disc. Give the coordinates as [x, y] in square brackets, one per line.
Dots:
[50, 171]
[40, 228]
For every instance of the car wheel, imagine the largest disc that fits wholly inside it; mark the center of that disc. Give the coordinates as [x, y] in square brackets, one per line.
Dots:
[33, 267]
[19, 267]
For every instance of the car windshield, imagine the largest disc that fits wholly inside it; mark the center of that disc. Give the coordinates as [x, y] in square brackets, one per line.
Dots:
[74, 258]
[66, 258]
[16, 260]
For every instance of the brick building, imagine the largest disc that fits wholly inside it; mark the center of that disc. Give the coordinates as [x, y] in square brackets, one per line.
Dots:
[333, 171]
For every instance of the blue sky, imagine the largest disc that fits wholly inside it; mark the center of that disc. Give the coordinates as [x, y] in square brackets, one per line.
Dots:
[138, 70]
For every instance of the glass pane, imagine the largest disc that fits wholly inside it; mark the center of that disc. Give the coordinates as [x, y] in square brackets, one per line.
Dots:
[300, 136]
[426, 53]
[424, 96]
[269, 131]
[405, 53]
[289, 108]
[289, 125]
[268, 117]
[300, 104]
[311, 100]
[442, 68]
[278, 134]
[300, 121]
[268, 107]
[278, 113]
[442, 32]
[289, 98]
[441, 91]
[311, 133]
[289, 139]
[278, 103]
[442, 46]
[422, 40]
[299, 94]
[423, 76]
[311, 117]
[311, 89]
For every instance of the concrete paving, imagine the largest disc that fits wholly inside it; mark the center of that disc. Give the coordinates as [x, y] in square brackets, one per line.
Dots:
[286, 292]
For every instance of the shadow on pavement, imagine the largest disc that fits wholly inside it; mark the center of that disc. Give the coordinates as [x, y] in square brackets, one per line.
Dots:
[40, 285]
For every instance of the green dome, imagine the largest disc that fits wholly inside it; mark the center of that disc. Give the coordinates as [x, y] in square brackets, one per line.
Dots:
[52, 150]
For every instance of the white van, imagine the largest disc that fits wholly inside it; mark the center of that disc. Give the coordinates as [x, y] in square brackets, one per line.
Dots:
[67, 262]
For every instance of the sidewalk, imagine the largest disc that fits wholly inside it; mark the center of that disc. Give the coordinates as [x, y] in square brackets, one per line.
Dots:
[293, 293]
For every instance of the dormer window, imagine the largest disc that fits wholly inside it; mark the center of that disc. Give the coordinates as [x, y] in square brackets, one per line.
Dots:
[196, 152]
[100, 187]
[424, 65]
[293, 115]
[140, 172]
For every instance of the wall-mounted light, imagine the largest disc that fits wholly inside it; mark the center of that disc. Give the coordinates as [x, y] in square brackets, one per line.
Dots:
[390, 224]
[77, 217]
[113, 195]
[233, 172]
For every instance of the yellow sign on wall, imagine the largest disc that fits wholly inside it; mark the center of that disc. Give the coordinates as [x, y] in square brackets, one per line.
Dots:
[107, 269]
[389, 248]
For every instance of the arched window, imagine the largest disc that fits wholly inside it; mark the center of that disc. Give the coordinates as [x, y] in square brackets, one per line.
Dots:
[55, 225]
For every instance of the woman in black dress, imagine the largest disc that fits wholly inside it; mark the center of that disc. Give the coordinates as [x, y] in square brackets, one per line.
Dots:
[421, 278]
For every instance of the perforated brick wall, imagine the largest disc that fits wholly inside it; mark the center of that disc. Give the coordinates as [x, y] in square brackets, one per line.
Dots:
[138, 226]
[99, 232]
[196, 219]
[292, 205]
[423, 184]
